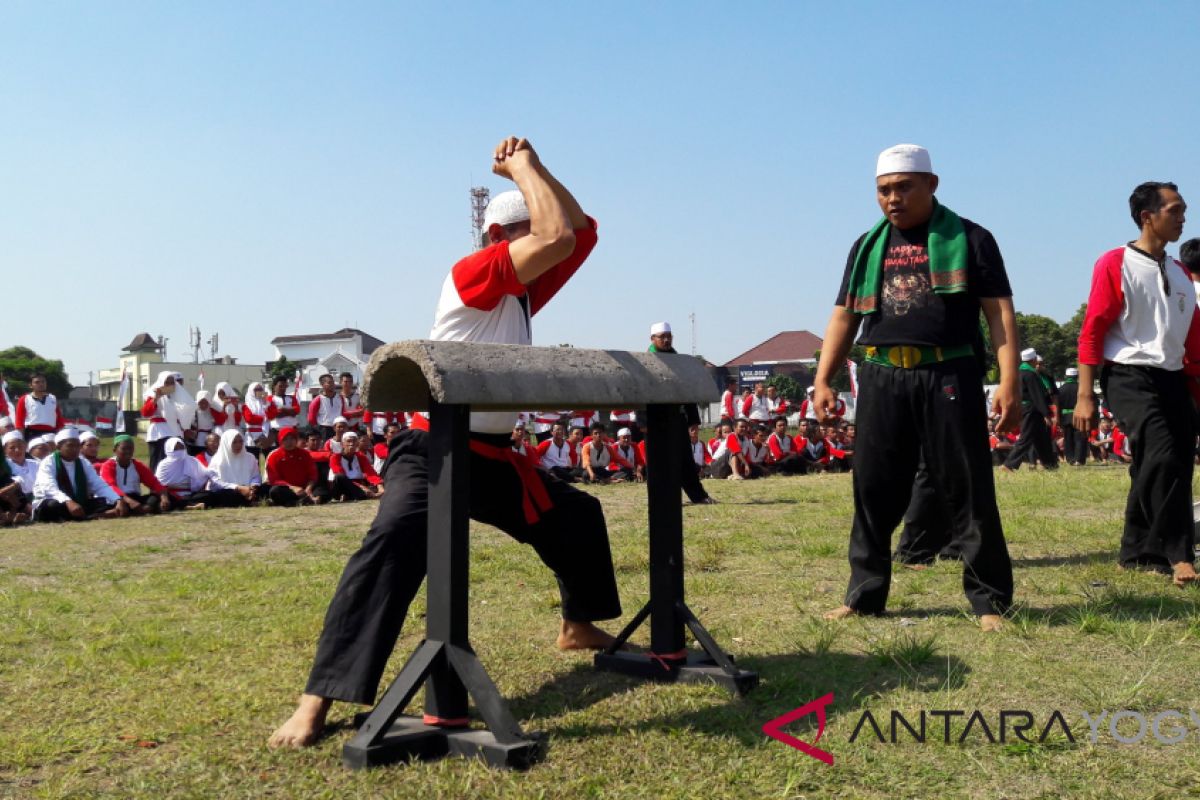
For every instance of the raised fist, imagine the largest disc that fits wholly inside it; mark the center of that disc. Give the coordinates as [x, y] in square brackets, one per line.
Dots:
[511, 154]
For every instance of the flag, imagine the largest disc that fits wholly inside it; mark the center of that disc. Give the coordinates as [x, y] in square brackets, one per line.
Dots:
[121, 401]
[103, 423]
[6, 409]
[200, 380]
[299, 381]
[853, 378]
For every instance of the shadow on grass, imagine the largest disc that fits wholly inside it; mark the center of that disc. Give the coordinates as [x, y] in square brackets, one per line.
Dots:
[1077, 559]
[787, 682]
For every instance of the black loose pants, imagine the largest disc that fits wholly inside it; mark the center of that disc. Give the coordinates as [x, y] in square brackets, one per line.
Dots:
[1034, 440]
[1075, 443]
[927, 532]
[383, 576]
[1156, 413]
[936, 411]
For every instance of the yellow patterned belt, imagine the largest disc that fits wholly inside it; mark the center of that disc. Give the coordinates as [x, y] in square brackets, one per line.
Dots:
[909, 356]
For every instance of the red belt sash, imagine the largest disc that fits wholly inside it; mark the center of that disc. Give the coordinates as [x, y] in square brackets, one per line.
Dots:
[535, 500]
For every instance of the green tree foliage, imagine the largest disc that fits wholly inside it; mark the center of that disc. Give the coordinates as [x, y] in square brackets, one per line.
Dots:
[786, 386]
[17, 364]
[1052, 341]
[283, 368]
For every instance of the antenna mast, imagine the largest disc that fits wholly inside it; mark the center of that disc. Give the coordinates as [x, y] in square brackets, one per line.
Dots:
[479, 200]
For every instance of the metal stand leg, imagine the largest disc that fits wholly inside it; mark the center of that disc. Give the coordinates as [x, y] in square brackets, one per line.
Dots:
[669, 659]
[444, 662]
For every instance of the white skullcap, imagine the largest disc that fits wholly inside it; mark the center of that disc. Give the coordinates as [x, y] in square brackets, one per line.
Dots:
[1072, 372]
[505, 209]
[342, 420]
[88, 435]
[810, 390]
[47, 439]
[349, 435]
[1029, 354]
[13, 436]
[903, 158]
[65, 434]
[660, 327]
[624, 432]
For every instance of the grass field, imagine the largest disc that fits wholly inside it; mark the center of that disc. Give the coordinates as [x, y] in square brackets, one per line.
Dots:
[152, 657]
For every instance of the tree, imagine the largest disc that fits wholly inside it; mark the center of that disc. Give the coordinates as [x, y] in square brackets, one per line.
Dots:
[283, 368]
[786, 386]
[1051, 341]
[1072, 328]
[18, 364]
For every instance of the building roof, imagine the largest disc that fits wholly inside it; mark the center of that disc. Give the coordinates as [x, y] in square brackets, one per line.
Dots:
[783, 346]
[143, 341]
[369, 342]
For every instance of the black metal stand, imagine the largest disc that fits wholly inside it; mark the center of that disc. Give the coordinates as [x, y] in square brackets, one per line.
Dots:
[669, 659]
[444, 662]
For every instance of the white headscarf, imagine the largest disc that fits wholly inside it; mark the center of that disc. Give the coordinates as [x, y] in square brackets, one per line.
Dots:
[255, 404]
[239, 469]
[204, 394]
[178, 468]
[179, 409]
[223, 386]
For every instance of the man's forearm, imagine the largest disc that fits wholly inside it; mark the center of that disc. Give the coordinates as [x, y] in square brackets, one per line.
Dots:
[839, 337]
[570, 205]
[547, 214]
[1087, 379]
[1002, 325]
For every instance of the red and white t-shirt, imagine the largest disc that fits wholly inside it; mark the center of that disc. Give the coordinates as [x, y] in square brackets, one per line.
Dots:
[780, 446]
[1141, 313]
[483, 301]
[556, 455]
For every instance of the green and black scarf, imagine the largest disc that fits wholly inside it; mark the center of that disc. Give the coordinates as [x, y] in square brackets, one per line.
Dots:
[947, 247]
[79, 492]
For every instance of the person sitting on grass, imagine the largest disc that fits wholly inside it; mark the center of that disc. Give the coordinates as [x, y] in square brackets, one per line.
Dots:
[598, 455]
[334, 444]
[784, 458]
[729, 460]
[12, 500]
[126, 476]
[188, 480]
[68, 488]
[89, 448]
[758, 455]
[22, 466]
[628, 463]
[557, 457]
[41, 446]
[292, 473]
[212, 443]
[235, 469]
[351, 475]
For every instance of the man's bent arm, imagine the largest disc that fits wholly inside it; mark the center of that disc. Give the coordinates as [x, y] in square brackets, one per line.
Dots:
[1002, 325]
[575, 215]
[551, 237]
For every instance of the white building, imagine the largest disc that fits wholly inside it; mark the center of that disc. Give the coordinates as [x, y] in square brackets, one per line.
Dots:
[347, 350]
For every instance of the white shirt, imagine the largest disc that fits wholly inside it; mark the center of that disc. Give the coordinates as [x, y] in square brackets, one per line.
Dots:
[24, 475]
[1153, 325]
[43, 412]
[557, 455]
[45, 486]
[162, 430]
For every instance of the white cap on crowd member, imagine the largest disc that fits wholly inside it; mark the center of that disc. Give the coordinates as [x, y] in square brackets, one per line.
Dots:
[624, 432]
[349, 435]
[65, 434]
[810, 390]
[342, 420]
[903, 158]
[1029, 354]
[1072, 372]
[46, 439]
[88, 436]
[12, 436]
[506, 208]
[660, 327]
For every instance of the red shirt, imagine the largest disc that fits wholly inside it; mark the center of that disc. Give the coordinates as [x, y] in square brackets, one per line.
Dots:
[291, 468]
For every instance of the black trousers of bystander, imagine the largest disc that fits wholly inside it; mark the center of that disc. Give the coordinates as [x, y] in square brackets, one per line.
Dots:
[1156, 413]
[928, 529]
[935, 411]
[1034, 441]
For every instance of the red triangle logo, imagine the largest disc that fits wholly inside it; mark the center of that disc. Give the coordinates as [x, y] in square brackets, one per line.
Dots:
[773, 728]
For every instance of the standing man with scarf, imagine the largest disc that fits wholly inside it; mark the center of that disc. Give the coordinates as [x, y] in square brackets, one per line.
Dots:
[537, 237]
[662, 340]
[919, 279]
[1035, 418]
[1141, 334]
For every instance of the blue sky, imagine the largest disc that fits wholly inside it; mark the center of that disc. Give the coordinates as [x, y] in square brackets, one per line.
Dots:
[277, 168]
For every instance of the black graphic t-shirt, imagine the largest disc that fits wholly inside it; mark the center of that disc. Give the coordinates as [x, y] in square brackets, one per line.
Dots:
[910, 312]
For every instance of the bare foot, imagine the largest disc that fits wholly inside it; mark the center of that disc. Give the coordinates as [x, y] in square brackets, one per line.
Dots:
[305, 724]
[989, 623]
[582, 636]
[917, 567]
[841, 612]
[1185, 573]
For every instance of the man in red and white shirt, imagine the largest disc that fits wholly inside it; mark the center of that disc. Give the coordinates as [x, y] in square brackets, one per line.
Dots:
[758, 455]
[729, 460]
[1141, 333]
[558, 457]
[777, 404]
[37, 412]
[784, 458]
[629, 461]
[537, 238]
[325, 408]
[729, 400]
